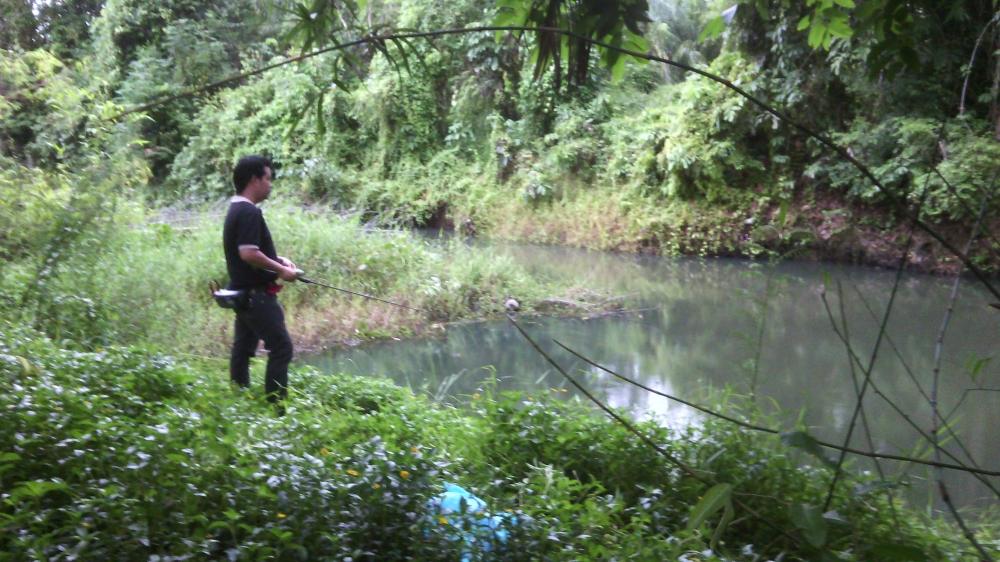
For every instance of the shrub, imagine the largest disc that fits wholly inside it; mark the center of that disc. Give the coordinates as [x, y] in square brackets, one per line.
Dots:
[127, 453]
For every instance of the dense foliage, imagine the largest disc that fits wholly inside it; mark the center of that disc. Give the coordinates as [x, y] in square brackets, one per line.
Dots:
[467, 130]
[128, 454]
[109, 238]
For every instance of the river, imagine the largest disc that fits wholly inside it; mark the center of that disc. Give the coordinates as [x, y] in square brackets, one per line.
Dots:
[701, 328]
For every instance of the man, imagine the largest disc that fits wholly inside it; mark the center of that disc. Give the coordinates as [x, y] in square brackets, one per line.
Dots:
[254, 267]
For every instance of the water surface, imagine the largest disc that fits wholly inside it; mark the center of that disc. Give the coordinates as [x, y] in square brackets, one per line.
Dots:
[698, 327]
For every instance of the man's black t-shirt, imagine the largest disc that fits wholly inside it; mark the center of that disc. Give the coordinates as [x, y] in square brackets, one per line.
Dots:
[245, 226]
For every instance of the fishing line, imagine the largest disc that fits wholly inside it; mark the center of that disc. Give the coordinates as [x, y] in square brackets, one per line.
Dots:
[367, 296]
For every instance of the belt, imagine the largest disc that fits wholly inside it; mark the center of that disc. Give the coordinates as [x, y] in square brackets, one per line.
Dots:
[269, 289]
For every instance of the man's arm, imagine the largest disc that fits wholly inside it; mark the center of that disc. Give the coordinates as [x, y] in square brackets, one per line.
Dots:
[256, 258]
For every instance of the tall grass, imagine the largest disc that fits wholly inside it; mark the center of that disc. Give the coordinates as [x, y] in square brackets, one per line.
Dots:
[147, 281]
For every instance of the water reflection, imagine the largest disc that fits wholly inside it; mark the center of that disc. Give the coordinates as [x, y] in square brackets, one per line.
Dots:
[697, 331]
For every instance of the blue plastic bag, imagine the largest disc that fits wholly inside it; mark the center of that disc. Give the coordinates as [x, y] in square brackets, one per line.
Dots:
[470, 520]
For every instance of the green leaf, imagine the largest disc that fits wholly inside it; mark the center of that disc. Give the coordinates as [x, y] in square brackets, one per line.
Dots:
[320, 120]
[404, 57]
[715, 499]
[897, 552]
[618, 70]
[636, 43]
[26, 367]
[508, 17]
[840, 27]
[975, 366]
[809, 519]
[803, 24]
[727, 517]
[782, 213]
[713, 29]
[35, 489]
[806, 442]
[816, 34]
[849, 4]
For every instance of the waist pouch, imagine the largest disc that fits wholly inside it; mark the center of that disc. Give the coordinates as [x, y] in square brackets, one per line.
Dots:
[235, 300]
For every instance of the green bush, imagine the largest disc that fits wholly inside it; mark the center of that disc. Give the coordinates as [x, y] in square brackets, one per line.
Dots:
[902, 153]
[127, 453]
[691, 142]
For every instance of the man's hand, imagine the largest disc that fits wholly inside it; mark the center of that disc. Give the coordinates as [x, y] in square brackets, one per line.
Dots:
[288, 274]
[283, 267]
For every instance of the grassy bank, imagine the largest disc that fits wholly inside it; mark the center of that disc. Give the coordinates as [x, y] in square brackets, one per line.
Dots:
[130, 454]
[818, 228]
[139, 280]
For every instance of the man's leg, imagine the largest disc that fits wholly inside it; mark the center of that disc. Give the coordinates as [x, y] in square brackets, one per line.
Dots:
[244, 347]
[269, 323]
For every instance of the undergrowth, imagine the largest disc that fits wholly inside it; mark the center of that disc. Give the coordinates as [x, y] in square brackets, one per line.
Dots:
[125, 453]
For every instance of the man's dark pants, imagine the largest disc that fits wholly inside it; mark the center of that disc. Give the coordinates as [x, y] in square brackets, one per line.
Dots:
[263, 320]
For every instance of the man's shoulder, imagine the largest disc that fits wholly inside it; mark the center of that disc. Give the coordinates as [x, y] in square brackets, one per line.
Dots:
[242, 208]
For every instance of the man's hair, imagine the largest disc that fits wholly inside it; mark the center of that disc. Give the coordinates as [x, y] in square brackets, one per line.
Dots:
[247, 168]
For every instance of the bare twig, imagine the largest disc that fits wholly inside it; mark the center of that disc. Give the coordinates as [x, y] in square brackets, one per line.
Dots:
[871, 364]
[965, 394]
[644, 438]
[916, 383]
[754, 427]
[864, 416]
[631, 428]
[938, 348]
[972, 60]
[979, 474]
[760, 335]
[992, 248]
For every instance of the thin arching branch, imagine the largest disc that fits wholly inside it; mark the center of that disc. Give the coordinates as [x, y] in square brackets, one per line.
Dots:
[977, 473]
[644, 438]
[763, 429]
[864, 416]
[867, 370]
[935, 414]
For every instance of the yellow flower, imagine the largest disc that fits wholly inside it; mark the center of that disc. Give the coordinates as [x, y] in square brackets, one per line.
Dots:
[281, 515]
[404, 474]
[442, 520]
[352, 472]
[324, 451]
[376, 485]
[414, 449]
[475, 396]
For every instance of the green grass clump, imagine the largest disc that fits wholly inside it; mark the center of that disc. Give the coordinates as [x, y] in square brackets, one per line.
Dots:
[128, 454]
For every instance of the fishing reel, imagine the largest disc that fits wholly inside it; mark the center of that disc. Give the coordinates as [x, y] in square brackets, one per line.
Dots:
[228, 298]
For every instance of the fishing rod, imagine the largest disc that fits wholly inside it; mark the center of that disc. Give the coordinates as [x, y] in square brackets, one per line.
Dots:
[227, 298]
[299, 277]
